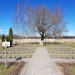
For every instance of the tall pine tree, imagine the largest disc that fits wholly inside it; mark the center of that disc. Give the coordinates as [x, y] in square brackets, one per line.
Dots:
[11, 36]
[7, 38]
[3, 38]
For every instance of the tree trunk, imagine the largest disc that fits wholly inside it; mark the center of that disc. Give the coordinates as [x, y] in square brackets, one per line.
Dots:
[42, 38]
[45, 40]
[10, 43]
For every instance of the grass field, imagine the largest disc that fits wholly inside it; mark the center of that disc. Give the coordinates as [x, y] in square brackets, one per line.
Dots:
[70, 44]
[53, 43]
[64, 44]
[1, 48]
[67, 56]
[22, 50]
[13, 68]
[16, 55]
[66, 68]
[72, 69]
[7, 71]
[66, 50]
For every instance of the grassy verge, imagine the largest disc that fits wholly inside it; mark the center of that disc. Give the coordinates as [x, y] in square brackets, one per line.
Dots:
[72, 69]
[12, 69]
[16, 55]
[70, 44]
[4, 71]
[67, 68]
[63, 55]
[53, 43]
[1, 48]
[61, 44]
[61, 51]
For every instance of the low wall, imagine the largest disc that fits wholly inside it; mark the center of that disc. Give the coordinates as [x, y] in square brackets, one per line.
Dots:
[45, 40]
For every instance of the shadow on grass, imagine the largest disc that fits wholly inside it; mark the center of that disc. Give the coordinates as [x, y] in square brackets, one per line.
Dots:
[12, 63]
[19, 58]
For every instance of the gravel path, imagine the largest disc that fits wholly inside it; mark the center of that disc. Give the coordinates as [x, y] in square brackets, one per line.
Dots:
[27, 59]
[14, 59]
[63, 60]
[40, 64]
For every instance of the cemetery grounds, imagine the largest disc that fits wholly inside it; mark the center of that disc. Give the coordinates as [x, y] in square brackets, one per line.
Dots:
[17, 52]
[63, 51]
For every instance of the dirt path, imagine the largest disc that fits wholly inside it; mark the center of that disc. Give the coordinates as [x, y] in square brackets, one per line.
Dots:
[40, 64]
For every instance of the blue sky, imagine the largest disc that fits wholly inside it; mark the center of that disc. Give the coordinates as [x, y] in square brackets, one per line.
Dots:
[7, 8]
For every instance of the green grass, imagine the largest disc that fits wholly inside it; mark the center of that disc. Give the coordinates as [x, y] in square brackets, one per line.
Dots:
[1, 48]
[72, 69]
[35, 45]
[70, 44]
[7, 71]
[61, 51]
[16, 55]
[63, 55]
[50, 44]
[61, 44]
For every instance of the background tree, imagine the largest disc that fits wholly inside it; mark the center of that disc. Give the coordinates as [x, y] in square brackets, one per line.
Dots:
[45, 19]
[10, 36]
[60, 25]
[58, 30]
[7, 38]
[39, 19]
[24, 21]
[30, 20]
[17, 20]
[3, 38]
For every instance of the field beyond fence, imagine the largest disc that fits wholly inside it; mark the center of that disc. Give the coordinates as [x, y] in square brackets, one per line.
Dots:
[45, 40]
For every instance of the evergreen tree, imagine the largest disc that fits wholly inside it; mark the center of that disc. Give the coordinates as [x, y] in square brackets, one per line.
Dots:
[3, 38]
[10, 36]
[7, 38]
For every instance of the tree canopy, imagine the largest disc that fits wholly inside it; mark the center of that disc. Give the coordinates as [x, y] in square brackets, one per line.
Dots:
[10, 36]
[39, 19]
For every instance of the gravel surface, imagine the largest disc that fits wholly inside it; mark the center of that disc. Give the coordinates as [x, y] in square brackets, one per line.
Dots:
[63, 60]
[40, 64]
[14, 59]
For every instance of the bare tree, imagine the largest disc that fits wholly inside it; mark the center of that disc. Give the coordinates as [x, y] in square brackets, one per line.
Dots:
[43, 20]
[30, 20]
[24, 21]
[40, 20]
[60, 25]
[17, 20]
[58, 30]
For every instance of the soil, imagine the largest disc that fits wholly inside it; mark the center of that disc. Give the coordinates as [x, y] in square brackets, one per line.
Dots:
[18, 68]
[65, 68]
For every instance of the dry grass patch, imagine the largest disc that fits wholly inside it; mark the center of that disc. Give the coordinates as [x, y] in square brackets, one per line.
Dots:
[13, 68]
[1, 48]
[70, 44]
[66, 68]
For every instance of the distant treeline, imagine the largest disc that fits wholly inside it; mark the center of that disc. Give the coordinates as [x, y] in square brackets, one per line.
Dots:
[61, 37]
